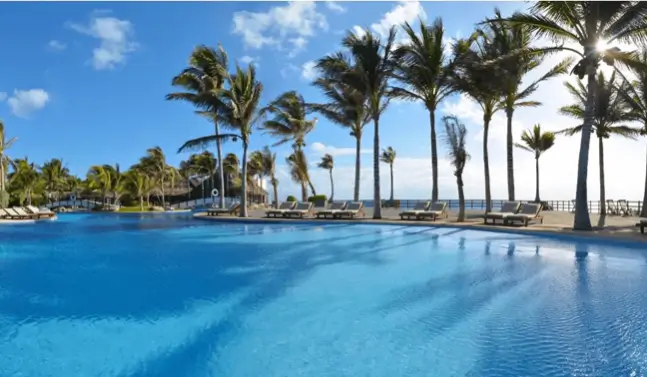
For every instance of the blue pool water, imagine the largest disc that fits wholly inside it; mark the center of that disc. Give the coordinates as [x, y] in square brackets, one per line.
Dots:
[110, 295]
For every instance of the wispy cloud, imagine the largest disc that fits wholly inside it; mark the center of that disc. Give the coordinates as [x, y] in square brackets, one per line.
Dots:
[55, 45]
[25, 102]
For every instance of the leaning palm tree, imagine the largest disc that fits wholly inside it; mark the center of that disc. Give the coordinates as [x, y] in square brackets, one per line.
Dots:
[155, 164]
[509, 39]
[268, 161]
[299, 171]
[5, 161]
[24, 179]
[455, 136]
[328, 163]
[388, 157]
[374, 66]
[346, 106]
[536, 142]
[289, 123]
[204, 77]
[237, 106]
[138, 183]
[587, 24]
[54, 174]
[424, 76]
[609, 110]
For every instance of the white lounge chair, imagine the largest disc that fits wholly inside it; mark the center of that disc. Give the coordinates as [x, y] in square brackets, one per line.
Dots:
[41, 213]
[353, 209]
[508, 208]
[301, 210]
[223, 211]
[284, 207]
[529, 212]
[419, 208]
[335, 207]
[436, 210]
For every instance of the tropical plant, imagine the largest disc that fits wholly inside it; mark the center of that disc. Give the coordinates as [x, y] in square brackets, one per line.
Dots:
[139, 184]
[5, 161]
[608, 111]
[328, 163]
[536, 142]
[422, 71]
[54, 174]
[388, 157]
[154, 164]
[268, 160]
[299, 171]
[455, 137]
[203, 80]
[593, 27]
[289, 123]
[24, 179]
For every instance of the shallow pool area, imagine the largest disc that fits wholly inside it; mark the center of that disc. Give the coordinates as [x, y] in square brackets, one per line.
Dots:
[148, 295]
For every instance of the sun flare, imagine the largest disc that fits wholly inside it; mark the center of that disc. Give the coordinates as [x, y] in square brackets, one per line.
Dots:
[601, 45]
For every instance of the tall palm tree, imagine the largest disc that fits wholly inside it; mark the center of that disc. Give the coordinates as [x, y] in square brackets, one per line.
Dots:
[455, 137]
[299, 171]
[509, 39]
[237, 106]
[634, 95]
[374, 66]
[608, 110]
[289, 123]
[536, 142]
[204, 77]
[328, 163]
[54, 174]
[483, 83]
[99, 179]
[4, 159]
[24, 179]
[138, 183]
[587, 24]
[346, 106]
[268, 160]
[155, 164]
[388, 157]
[422, 71]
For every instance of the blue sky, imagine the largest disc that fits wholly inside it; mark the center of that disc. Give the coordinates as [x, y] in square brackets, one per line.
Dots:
[87, 82]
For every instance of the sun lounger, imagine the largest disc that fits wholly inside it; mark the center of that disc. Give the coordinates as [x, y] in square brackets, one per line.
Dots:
[4, 214]
[508, 208]
[301, 209]
[284, 207]
[353, 209]
[223, 211]
[334, 208]
[624, 209]
[436, 210]
[612, 209]
[529, 212]
[420, 207]
[19, 213]
[40, 212]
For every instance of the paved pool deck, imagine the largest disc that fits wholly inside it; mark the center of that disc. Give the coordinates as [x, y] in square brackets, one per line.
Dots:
[555, 222]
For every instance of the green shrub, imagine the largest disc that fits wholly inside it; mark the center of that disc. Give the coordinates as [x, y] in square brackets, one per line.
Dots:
[318, 198]
[291, 198]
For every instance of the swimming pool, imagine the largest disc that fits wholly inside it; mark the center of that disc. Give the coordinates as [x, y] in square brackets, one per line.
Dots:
[127, 295]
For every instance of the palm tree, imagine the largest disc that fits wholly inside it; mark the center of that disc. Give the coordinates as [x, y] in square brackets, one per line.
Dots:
[589, 24]
[54, 174]
[99, 179]
[138, 183]
[481, 82]
[328, 163]
[346, 106]
[374, 66]
[236, 106]
[388, 157]
[268, 161]
[509, 39]
[634, 96]
[24, 179]
[536, 142]
[289, 121]
[155, 164]
[299, 171]
[204, 77]
[608, 110]
[455, 135]
[422, 70]
[4, 159]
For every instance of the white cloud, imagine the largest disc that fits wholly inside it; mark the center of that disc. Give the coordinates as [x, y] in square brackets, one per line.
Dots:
[115, 40]
[289, 70]
[246, 59]
[404, 11]
[335, 7]
[308, 70]
[319, 149]
[55, 45]
[3, 96]
[24, 102]
[293, 23]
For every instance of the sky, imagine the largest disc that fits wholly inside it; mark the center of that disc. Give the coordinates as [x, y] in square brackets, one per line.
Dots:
[87, 85]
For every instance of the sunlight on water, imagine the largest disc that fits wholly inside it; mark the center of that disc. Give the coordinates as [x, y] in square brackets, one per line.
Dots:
[122, 296]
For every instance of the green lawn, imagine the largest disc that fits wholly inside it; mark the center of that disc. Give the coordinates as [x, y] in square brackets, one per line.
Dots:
[133, 209]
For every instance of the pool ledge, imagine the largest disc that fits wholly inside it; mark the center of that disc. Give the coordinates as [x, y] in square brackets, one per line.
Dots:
[628, 237]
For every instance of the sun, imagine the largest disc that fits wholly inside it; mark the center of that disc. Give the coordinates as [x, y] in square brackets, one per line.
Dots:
[601, 45]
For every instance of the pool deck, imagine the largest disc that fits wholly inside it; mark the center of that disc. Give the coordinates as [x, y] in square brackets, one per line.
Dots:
[609, 227]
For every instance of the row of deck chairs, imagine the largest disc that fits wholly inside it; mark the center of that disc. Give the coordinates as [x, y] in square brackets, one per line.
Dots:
[426, 210]
[337, 210]
[619, 208]
[512, 212]
[25, 213]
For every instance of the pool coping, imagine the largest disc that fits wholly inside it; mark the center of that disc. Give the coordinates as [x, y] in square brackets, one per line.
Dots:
[626, 240]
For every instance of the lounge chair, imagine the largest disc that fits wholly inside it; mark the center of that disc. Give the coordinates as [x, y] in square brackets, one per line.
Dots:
[420, 207]
[624, 209]
[4, 214]
[301, 209]
[508, 208]
[223, 211]
[41, 213]
[284, 207]
[19, 213]
[436, 210]
[642, 224]
[529, 212]
[612, 208]
[353, 209]
[334, 208]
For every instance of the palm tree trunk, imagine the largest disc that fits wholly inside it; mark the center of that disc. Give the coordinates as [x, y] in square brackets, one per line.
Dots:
[2, 176]
[243, 196]
[536, 180]
[203, 199]
[643, 208]
[391, 168]
[221, 173]
[377, 199]
[162, 189]
[358, 148]
[276, 193]
[434, 157]
[304, 192]
[603, 207]
[582, 220]
[510, 156]
[141, 203]
[486, 163]
[332, 186]
[312, 187]
[461, 197]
